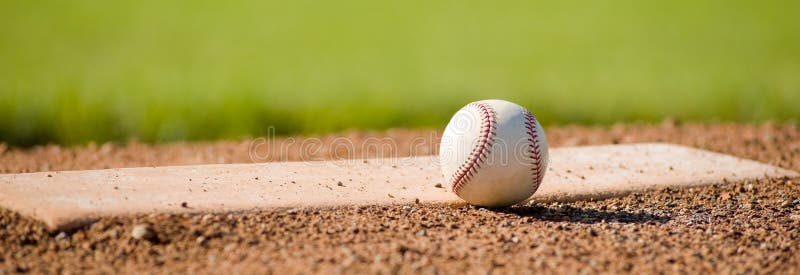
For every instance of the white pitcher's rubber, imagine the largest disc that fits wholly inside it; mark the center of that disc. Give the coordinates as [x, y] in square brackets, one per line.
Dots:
[69, 199]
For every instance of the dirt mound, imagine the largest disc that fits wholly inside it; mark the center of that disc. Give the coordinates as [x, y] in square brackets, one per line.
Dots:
[741, 227]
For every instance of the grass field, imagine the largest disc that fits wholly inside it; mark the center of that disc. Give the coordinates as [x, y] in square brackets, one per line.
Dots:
[74, 71]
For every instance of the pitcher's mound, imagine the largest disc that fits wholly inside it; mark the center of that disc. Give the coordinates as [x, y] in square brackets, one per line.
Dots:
[70, 199]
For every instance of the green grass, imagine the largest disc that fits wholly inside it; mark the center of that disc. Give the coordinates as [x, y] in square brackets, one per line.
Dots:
[74, 71]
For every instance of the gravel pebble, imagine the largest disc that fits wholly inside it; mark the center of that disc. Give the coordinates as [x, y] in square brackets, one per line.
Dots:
[143, 232]
[62, 236]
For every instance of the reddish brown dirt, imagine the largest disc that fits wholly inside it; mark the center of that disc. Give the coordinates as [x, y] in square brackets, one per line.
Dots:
[743, 227]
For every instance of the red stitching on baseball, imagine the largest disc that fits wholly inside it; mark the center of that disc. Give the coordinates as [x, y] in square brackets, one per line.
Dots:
[481, 150]
[536, 153]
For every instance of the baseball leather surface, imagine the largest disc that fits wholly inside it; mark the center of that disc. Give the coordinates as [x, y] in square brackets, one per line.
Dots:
[493, 153]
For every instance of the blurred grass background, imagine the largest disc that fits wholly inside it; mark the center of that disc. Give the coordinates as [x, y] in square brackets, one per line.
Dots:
[78, 71]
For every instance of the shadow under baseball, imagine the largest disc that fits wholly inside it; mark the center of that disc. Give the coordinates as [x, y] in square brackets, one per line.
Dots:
[567, 213]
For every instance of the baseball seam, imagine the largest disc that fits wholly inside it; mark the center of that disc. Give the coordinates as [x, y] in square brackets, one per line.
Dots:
[534, 150]
[482, 150]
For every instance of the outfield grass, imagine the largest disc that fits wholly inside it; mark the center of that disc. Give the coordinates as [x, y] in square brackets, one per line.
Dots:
[74, 71]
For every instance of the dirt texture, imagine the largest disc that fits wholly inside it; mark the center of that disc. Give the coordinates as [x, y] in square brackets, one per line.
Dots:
[739, 227]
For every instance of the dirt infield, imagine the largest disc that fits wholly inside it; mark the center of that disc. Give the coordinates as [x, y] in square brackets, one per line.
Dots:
[743, 227]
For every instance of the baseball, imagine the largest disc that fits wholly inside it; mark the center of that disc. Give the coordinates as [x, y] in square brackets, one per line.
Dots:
[493, 153]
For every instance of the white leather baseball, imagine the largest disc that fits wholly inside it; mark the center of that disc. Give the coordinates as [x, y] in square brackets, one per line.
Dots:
[493, 153]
